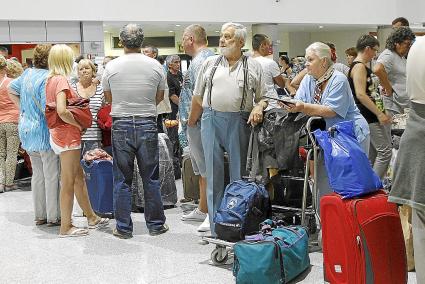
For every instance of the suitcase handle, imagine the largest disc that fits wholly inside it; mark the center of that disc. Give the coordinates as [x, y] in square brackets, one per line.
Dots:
[86, 164]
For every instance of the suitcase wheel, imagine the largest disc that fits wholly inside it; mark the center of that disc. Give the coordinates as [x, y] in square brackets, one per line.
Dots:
[219, 255]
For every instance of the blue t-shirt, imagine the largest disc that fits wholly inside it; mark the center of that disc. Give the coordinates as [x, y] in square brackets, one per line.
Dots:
[337, 95]
[31, 88]
[188, 85]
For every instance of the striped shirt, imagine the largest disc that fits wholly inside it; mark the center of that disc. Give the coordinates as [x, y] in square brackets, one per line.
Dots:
[93, 133]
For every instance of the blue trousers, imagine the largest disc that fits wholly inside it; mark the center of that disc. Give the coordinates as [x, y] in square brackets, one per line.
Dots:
[223, 132]
[136, 137]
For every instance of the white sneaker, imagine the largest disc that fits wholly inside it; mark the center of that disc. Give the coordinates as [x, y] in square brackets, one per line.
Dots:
[205, 226]
[195, 215]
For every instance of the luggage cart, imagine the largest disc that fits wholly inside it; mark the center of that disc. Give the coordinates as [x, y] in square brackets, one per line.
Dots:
[308, 214]
[223, 250]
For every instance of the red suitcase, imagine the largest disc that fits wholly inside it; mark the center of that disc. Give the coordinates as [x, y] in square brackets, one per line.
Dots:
[362, 240]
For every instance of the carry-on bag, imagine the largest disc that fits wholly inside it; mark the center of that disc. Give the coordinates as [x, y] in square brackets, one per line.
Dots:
[189, 179]
[348, 167]
[362, 240]
[277, 256]
[244, 206]
[166, 177]
[99, 179]
[288, 190]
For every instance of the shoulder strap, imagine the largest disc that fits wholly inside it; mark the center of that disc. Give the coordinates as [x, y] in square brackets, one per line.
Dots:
[216, 63]
[245, 81]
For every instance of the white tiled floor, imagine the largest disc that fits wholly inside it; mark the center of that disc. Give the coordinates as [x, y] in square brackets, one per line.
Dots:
[30, 254]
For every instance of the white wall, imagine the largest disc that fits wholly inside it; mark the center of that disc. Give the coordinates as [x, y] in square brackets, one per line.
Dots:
[376, 12]
[342, 40]
[298, 41]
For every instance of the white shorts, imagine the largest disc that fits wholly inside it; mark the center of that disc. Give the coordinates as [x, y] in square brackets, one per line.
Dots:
[58, 149]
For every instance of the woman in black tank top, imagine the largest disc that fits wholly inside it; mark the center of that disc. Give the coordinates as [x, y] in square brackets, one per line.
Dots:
[369, 101]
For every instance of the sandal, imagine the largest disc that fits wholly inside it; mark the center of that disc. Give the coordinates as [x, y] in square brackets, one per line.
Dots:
[75, 232]
[40, 222]
[54, 224]
[101, 222]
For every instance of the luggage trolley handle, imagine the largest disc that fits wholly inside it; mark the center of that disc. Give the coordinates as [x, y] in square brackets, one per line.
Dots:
[308, 128]
[313, 152]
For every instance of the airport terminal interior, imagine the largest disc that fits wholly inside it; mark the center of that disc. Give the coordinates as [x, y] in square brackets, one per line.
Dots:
[180, 241]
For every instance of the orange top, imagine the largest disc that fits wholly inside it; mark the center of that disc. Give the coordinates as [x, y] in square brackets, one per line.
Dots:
[66, 135]
[9, 112]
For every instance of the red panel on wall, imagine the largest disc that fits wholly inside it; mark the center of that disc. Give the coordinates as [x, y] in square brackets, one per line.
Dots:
[17, 48]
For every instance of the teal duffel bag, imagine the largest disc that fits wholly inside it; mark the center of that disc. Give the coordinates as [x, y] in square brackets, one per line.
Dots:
[258, 262]
[276, 257]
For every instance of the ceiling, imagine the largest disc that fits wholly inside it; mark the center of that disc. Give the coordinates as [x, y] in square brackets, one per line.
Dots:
[166, 28]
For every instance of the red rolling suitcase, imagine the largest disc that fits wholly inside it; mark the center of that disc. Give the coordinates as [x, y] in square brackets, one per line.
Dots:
[362, 240]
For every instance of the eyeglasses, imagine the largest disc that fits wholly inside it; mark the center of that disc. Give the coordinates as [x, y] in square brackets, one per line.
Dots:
[376, 49]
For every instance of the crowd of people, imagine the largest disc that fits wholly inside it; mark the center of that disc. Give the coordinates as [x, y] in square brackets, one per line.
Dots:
[216, 102]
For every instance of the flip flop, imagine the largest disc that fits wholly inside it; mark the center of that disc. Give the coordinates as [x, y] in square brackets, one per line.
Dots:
[101, 223]
[76, 232]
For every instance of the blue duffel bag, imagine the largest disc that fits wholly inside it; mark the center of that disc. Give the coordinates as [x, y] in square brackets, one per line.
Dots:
[244, 206]
[273, 257]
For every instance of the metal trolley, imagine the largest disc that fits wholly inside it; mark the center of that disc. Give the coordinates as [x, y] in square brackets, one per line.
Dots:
[224, 249]
[308, 214]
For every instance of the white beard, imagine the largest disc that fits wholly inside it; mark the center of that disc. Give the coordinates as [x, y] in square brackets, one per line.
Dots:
[226, 51]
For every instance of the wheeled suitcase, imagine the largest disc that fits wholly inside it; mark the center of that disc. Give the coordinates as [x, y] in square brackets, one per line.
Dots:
[189, 179]
[99, 181]
[166, 177]
[362, 240]
[288, 191]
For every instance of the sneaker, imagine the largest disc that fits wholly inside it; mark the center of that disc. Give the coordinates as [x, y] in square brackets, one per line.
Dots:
[205, 226]
[195, 215]
[121, 235]
[154, 232]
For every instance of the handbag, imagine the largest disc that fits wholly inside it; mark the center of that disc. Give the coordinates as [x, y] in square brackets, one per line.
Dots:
[79, 108]
[349, 171]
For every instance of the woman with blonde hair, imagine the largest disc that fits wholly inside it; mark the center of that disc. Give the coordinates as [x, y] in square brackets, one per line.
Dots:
[65, 141]
[9, 139]
[14, 69]
[87, 89]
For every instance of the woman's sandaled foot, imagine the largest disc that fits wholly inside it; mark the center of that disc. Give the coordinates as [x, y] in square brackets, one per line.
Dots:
[40, 222]
[10, 187]
[74, 232]
[100, 222]
[54, 223]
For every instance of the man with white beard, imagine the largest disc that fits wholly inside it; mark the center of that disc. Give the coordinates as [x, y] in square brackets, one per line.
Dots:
[228, 94]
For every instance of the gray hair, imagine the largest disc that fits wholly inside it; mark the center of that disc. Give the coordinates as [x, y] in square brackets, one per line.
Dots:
[322, 50]
[240, 30]
[171, 58]
[131, 36]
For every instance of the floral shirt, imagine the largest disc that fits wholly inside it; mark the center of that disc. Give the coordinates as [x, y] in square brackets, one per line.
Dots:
[31, 89]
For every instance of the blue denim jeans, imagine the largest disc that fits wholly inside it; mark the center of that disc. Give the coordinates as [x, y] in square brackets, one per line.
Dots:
[136, 137]
[223, 131]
